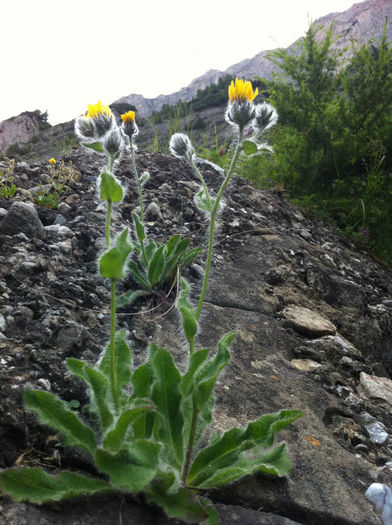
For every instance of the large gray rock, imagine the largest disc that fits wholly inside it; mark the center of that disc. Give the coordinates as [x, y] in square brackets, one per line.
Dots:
[22, 218]
[18, 130]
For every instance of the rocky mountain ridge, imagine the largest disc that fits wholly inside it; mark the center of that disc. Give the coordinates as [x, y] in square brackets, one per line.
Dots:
[360, 23]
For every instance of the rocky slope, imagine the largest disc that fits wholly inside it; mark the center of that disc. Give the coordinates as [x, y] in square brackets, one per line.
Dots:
[313, 317]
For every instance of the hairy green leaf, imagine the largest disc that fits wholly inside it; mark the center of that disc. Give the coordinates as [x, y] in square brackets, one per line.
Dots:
[55, 413]
[249, 147]
[112, 262]
[96, 146]
[114, 440]
[138, 276]
[122, 360]
[167, 399]
[36, 486]
[132, 468]
[139, 226]
[189, 321]
[156, 266]
[109, 188]
[130, 297]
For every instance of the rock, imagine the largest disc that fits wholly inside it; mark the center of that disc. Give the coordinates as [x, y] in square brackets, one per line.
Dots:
[379, 388]
[153, 212]
[306, 365]
[381, 497]
[23, 218]
[377, 433]
[70, 336]
[18, 130]
[2, 323]
[307, 322]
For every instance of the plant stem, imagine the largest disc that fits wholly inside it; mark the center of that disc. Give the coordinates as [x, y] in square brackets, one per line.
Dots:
[138, 182]
[202, 181]
[188, 456]
[113, 367]
[108, 216]
[212, 224]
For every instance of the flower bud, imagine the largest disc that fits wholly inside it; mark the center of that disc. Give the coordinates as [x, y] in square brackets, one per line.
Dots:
[113, 141]
[181, 147]
[266, 116]
[95, 123]
[129, 125]
[84, 129]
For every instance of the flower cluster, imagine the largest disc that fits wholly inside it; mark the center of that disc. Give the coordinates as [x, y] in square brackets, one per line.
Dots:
[98, 129]
[241, 110]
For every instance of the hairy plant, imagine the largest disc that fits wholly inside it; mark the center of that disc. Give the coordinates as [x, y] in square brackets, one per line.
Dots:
[147, 420]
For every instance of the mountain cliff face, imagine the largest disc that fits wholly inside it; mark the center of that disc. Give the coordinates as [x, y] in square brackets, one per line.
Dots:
[360, 23]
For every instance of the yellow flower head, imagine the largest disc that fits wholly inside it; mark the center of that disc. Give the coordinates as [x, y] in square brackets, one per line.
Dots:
[242, 91]
[128, 117]
[96, 110]
[52, 161]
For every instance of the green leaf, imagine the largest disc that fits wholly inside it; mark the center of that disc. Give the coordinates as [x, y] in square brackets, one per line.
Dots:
[36, 486]
[189, 321]
[195, 362]
[138, 276]
[249, 147]
[207, 376]
[109, 188]
[122, 360]
[225, 452]
[181, 504]
[114, 440]
[142, 380]
[132, 468]
[139, 226]
[98, 389]
[130, 297]
[263, 430]
[202, 202]
[188, 257]
[172, 243]
[96, 146]
[101, 395]
[149, 250]
[144, 177]
[167, 399]
[275, 462]
[112, 262]
[55, 413]
[156, 266]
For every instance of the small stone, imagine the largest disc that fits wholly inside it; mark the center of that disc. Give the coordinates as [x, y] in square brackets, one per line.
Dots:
[60, 230]
[377, 433]
[376, 387]
[45, 383]
[60, 219]
[153, 212]
[63, 207]
[306, 365]
[2, 323]
[381, 497]
[22, 217]
[307, 322]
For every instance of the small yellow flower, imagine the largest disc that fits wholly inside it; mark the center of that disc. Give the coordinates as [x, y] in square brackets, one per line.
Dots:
[96, 110]
[242, 91]
[128, 117]
[52, 161]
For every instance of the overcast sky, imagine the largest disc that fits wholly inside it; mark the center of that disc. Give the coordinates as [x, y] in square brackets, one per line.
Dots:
[61, 55]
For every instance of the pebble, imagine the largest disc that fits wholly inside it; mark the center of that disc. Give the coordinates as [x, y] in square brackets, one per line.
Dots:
[377, 433]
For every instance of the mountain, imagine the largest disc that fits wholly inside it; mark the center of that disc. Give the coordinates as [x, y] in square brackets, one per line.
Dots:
[360, 23]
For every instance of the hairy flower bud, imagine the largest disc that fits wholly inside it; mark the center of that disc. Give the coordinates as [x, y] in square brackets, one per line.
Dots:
[95, 123]
[113, 141]
[266, 116]
[84, 129]
[129, 125]
[181, 147]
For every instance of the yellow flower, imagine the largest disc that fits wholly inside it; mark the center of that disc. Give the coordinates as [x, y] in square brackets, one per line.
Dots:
[128, 117]
[96, 110]
[52, 161]
[242, 91]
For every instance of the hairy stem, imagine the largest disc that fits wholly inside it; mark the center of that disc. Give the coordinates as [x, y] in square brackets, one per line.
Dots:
[113, 367]
[108, 216]
[140, 194]
[212, 224]
[188, 456]
[202, 181]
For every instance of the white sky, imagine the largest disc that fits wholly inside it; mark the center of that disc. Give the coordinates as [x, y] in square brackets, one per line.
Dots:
[61, 55]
